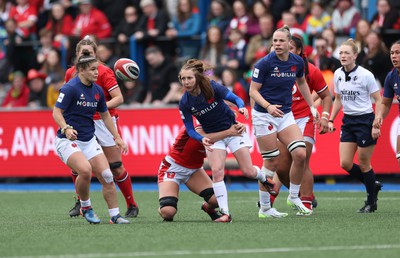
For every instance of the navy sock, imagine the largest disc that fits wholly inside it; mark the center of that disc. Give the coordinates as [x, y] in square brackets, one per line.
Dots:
[355, 171]
[369, 181]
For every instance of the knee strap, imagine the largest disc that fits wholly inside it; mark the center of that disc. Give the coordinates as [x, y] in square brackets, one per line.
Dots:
[296, 144]
[114, 165]
[169, 201]
[207, 194]
[270, 154]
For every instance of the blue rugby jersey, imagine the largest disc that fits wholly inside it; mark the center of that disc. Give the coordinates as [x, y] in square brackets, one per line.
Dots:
[213, 115]
[277, 78]
[392, 85]
[79, 103]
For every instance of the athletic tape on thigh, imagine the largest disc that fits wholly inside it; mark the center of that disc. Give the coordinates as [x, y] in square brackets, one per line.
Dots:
[270, 154]
[398, 155]
[296, 144]
[107, 176]
[169, 201]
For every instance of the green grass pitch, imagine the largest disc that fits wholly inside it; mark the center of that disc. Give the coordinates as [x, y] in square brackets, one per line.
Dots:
[36, 224]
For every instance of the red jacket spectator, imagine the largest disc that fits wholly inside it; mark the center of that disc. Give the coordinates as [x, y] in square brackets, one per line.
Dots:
[18, 95]
[60, 22]
[26, 16]
[91, 21]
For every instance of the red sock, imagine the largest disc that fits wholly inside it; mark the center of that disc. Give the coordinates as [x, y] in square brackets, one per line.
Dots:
[307, 201]
[74, 175]
[272, 199]
[125, 185]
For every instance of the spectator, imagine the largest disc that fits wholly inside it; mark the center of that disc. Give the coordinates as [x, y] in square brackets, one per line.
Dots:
[330, 36]
[385, 17]
[278, 7]
[362, 30]
[131, 91]
[301, 10]
[90, 21]
[241, 20]
[213, 49]
[152, 24]
[52, 66]
[26, 16]
[229, 80]
[5, 7]
[186, 23]
[46, 44]
[125, 29]
[219, 15]
[345, 17]
[258, 9]
[20, 57]
[235, 53]
[60, 24]
[105, 53]
[38, 89]
[163, 86]
[289, 19]
[259, 45]
[322, 58]
[375, 57]
[18, 94]
[318, 21]
[53, 90]
[113, 10]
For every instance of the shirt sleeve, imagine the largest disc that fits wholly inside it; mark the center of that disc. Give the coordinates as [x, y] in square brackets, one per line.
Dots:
[64, 97]
[388, 91]
[188, 122]
[259, 71]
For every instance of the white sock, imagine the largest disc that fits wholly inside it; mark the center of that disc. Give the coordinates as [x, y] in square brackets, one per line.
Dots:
[221, 194]
[265, 201]
[113, 212]
[260, 175]
[294, 191]
[86, 203]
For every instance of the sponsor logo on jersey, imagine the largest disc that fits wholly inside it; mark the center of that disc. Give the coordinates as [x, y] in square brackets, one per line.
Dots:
[205, 110]
[349, 95]
[395, 87]
[278, 74]
[86, 103]
[82, 96]
[256, 72]
[60, 97]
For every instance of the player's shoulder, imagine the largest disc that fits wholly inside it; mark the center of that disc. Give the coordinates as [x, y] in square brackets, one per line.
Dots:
[103, 68]
[295, 57]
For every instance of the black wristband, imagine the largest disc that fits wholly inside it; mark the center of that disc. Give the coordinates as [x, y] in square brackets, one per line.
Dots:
[331, 121]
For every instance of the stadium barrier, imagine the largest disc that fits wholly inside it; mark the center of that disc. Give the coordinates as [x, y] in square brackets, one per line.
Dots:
[27, 144]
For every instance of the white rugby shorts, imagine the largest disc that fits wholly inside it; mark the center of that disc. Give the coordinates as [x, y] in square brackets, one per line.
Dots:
[65, 148]
[266, 124]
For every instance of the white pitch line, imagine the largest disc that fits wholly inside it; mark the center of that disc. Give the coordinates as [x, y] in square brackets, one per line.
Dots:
[216, 252]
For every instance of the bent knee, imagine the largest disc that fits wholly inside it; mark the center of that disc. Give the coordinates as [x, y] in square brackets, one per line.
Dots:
[167, 213]
[346, 165]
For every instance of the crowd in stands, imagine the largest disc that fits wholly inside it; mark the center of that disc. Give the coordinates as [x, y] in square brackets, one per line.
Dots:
[231, 37]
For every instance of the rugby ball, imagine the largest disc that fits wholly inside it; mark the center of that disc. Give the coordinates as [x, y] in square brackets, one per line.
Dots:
[126, 69]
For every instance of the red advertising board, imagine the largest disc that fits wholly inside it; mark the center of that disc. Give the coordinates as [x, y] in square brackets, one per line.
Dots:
[27, 144]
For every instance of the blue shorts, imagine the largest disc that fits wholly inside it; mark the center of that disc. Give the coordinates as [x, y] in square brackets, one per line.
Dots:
[358, 129]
